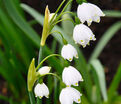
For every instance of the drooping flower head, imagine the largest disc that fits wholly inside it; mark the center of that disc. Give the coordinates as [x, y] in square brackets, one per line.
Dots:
[89, 12]
[44, 70]
[68, 52]
[41, 90]
[71, 76]
[83, 34]
[69, 95]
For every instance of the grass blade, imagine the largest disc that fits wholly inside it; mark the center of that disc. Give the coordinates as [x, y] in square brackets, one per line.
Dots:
[105, 39]
[20, 22]
[112, 13]
[101, 77]
[115, 83]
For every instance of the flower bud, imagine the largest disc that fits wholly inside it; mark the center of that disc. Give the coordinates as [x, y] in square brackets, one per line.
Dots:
[44, 70]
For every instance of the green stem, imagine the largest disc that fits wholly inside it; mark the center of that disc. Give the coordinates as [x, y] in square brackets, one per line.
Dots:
[40, 54]
[64, 40]
[39, 60]
[63, 10]
[68, 19]
[46, 59]
[31, 97]
[53, 74]
[68, 12]
[61, 82]
[58, 17]
[57, 10]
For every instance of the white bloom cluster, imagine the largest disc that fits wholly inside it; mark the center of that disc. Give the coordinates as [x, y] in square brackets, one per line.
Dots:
[86, 12]
[41, 90]
[82, 35]
[68, 95]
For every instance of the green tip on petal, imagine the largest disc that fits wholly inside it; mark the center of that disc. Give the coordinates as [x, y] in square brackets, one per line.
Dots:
[77, 56]
[76, 84]
[90, 38]
[90, 20]
[88, 43]
[79, 100]
[83, 46]
[89, 23]
[70, 59]
[47, 96]
[82, 41]
[103, 14]
[82, 79]
[98, 20]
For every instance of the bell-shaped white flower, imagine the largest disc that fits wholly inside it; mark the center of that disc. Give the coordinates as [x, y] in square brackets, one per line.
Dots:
[89, 12]
[71, 76]
[82, 35]
[44, 70]
[69, 95]
[41, 90]
[68, 52]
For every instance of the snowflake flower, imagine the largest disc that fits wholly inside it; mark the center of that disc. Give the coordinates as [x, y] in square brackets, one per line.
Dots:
[68, 52]
[71, 76]
[69, 95]
[89, 12]
[41, 90]
[83, 34]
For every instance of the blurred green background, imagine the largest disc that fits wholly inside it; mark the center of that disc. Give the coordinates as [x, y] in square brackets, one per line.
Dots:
[99, 63]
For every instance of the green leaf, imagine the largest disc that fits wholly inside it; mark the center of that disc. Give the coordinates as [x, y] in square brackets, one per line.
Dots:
[105, 39]
[112, 13]
[67, 26]
[20, 22]
[13, 37]
[101, 77]
[115, 83]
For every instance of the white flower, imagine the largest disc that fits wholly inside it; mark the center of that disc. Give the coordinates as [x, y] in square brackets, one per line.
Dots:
[68, 52]
[83, 34]
[44, 70]
[89, 12]
[41, 90]
[71, 76]
[69, 95]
